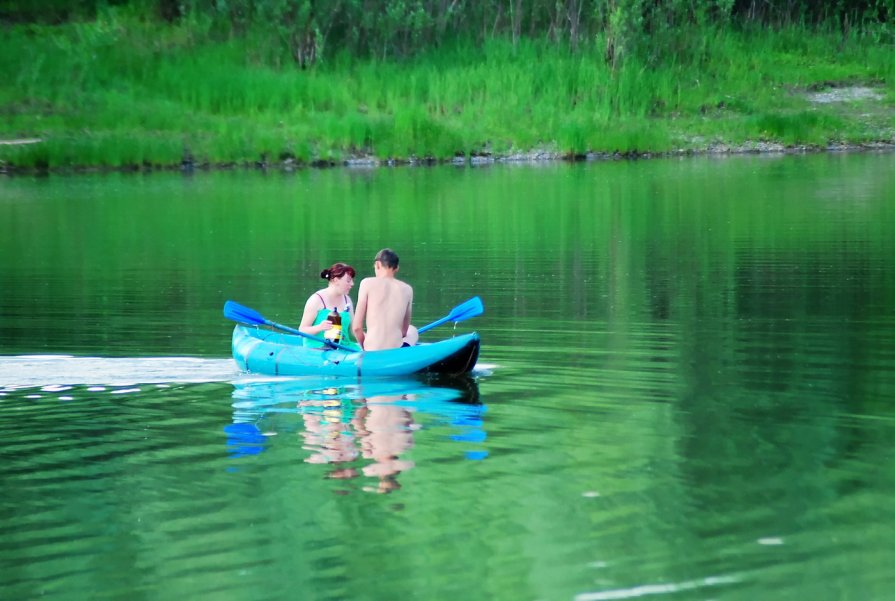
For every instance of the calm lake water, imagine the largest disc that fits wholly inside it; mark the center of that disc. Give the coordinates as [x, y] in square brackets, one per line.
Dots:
[686, 388]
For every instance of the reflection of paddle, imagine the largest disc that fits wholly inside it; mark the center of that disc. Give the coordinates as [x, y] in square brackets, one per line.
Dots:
[237, 312]
[471, 308]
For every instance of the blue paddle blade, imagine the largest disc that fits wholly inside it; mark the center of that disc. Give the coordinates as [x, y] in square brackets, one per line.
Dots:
[237, 312]
[461, 312]
[471, 308]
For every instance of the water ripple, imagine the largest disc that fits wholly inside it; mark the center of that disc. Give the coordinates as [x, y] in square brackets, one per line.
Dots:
[59, 370]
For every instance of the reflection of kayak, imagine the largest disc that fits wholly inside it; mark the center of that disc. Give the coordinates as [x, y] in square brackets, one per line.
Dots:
[256, 399]
[273, 353]
[287, 405]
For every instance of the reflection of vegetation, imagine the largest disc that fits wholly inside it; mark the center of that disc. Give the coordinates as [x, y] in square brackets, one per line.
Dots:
[669, 239]
[218, 82]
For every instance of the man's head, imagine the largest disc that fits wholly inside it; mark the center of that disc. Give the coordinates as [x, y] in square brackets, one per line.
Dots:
[387, 258]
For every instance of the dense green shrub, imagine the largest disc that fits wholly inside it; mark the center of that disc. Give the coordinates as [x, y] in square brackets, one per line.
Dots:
[307, 31]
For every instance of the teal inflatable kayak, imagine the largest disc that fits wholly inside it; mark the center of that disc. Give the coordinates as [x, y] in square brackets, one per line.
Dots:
[262, 351]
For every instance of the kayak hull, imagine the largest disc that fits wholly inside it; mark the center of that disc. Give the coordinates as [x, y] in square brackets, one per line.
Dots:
[262, 351]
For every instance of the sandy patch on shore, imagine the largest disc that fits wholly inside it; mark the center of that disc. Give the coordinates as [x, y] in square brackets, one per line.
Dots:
[849, 94]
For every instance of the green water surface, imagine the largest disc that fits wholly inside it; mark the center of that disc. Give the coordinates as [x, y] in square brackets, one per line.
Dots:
[685, 389]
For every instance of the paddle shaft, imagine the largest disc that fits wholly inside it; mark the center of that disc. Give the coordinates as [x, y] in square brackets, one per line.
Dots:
[435, 323]
[241, 314]
[329, 343]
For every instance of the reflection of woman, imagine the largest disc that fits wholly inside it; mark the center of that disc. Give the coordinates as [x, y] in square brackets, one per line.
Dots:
[326, 436]
[319, 306]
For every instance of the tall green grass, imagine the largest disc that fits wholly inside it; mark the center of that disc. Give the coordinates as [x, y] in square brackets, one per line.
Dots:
[119, 92]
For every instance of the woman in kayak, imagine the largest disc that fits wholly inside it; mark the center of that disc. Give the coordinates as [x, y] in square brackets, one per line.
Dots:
[319, 307]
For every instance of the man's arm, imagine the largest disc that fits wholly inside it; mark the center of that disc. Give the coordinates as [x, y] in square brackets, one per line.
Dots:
[360, 313]
[407, 313]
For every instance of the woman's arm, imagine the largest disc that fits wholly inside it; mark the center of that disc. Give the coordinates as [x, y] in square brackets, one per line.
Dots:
[312, 306]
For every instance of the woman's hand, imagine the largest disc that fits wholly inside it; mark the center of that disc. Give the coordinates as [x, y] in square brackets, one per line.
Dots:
[324, 326]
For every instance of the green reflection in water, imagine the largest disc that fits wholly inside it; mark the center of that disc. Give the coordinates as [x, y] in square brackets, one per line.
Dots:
[689, 372]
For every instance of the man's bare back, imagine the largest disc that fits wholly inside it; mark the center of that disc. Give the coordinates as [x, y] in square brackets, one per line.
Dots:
[384, 305]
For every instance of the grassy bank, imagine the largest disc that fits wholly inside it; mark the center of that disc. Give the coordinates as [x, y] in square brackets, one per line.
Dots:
[121, 92]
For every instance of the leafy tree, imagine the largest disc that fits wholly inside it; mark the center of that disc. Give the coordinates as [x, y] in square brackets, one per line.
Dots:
[308, 31]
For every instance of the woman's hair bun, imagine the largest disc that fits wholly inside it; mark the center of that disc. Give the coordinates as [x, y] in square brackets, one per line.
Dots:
[338, 270]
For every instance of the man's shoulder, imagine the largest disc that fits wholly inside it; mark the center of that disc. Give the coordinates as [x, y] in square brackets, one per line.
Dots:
[405, 287]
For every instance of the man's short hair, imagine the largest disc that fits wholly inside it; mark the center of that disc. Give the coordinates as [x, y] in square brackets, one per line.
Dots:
[388, 258]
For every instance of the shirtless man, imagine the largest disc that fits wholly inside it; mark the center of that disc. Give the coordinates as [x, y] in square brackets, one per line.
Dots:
[384, 303]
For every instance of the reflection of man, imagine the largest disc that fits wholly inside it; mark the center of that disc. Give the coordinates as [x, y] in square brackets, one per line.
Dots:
[386, 432]
[383, 429]
[384, 305]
